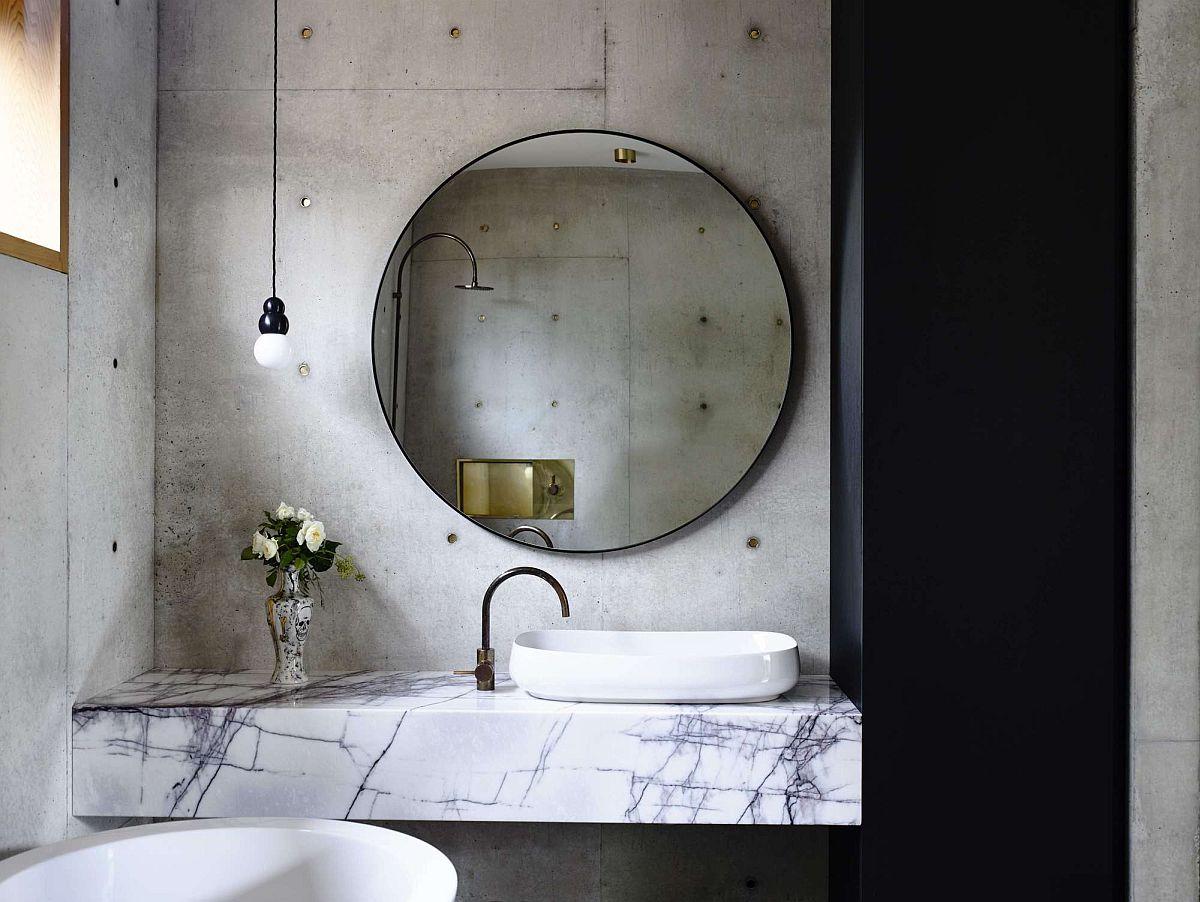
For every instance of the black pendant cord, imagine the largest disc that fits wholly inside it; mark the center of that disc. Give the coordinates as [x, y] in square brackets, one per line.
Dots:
[274, 147]
[273, 319]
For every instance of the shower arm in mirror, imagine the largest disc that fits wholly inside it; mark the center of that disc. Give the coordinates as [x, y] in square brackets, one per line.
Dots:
[398, 293]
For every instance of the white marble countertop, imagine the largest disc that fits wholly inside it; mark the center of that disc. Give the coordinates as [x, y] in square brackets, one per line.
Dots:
[429, 746]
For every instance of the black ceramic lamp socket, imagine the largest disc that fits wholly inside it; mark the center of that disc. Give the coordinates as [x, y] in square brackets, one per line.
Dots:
[272, 349]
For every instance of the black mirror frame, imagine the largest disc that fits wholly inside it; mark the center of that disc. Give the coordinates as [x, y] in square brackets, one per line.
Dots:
[787, 388]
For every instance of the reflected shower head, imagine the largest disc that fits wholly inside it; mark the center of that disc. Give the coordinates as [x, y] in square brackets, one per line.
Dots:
[474, 284]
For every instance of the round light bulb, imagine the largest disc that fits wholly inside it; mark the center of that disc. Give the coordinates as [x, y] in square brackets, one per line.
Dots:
[272, 350]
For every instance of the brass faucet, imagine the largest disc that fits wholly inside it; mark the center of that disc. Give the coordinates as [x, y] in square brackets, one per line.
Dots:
[485, 655]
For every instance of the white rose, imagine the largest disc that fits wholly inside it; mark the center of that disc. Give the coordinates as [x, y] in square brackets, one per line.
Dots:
[285, 511]
[314, 536]
[264, 547]
[302, 530]
[302, 515]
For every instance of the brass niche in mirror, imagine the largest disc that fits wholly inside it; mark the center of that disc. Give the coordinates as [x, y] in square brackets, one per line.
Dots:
[595, 351]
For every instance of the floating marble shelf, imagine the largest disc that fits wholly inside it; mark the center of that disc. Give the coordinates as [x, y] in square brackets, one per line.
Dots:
[428, 746]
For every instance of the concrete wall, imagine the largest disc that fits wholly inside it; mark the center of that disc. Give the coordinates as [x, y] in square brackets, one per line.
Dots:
[111, 342]
[33, 555]
[375, 111]
[233, 437]
[76, 432]
[1165, 688]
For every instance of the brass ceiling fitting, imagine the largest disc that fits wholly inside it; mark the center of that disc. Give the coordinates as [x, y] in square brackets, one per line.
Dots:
[752, 542]
[303, 369]
[306, 32]
[754, 34]
[456, 32]
[753, 202]
[624, 155]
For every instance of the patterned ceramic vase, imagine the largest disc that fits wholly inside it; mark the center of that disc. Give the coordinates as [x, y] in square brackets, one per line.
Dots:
[288, 614]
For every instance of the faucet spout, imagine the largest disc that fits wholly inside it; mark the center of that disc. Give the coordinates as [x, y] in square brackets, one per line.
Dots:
[503, 578]
[485, 670]
[537, 531]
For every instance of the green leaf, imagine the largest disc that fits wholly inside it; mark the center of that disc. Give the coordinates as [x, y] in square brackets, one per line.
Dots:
[321, 564]
[248, 553]
[332, 546]
[271, 578]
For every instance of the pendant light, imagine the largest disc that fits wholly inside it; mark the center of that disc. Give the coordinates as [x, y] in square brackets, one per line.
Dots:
[272, 349]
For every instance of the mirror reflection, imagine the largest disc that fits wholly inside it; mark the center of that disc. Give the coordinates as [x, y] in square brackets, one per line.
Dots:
[582, 339]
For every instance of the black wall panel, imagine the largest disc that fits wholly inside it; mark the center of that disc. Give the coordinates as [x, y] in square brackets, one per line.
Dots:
[980, 543]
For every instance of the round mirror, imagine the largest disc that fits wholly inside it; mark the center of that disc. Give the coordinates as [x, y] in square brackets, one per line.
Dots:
[582, 341]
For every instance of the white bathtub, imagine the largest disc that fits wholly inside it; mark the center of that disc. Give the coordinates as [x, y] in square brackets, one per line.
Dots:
[233, 860]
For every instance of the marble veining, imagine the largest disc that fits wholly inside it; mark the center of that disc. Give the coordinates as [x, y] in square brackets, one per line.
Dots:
[428, 746]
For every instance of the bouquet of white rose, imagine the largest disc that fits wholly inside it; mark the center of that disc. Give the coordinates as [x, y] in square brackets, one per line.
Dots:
[292, 539]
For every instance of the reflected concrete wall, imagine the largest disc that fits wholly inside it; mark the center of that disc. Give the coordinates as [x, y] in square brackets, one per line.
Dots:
[540, 367]
[639, 327]
[375, 111]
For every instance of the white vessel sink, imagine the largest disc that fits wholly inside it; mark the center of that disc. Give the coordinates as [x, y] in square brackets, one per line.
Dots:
[675, 667]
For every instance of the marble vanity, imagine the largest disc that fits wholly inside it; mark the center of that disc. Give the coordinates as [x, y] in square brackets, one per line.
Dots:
[429, 746]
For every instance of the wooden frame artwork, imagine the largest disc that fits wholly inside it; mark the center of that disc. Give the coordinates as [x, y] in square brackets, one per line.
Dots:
[26, 122]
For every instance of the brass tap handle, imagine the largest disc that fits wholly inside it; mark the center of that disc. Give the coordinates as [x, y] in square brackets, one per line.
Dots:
[485, 669]
[485, 677]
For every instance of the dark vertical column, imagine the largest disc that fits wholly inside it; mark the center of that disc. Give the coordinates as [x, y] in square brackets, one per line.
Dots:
[994, 427]
[846, 522]
[845, 639]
